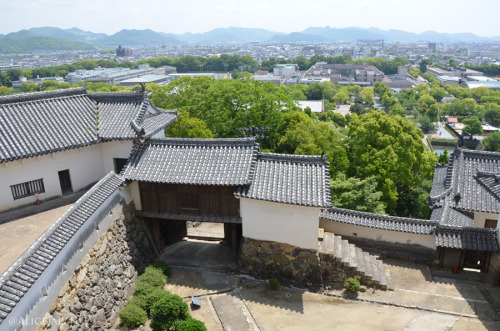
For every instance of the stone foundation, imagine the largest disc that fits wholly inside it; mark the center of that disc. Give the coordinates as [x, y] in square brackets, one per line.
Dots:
[290, 264]
[95, 294]
[293, 265]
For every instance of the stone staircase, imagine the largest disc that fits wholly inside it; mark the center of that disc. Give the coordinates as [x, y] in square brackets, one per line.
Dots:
[340, 259]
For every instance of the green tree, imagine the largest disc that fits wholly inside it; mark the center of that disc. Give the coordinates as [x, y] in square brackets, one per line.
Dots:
[426, 125]
[492, 114]
[342, 96]
[433, 113]
[356, 194]
[444, 158]
[438, 93]
[473, 126]
[391, 149]
[188, 127]
[414, 72]
[29, 87]
[357, 108]
[4, 90]
[368, 94]
[492, 142]
[423, 65]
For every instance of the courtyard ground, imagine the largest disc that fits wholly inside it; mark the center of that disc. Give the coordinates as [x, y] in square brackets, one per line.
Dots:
[423, 299]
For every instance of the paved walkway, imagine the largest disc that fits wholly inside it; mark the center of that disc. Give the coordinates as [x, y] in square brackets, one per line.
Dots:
[18, 235]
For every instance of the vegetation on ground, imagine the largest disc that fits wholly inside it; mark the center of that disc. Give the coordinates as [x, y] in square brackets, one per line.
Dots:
[352, 284]
[274, 283]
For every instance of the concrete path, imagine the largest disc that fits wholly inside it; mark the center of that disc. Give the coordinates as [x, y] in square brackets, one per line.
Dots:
[18, 235]
[233, 314]
[431, 322]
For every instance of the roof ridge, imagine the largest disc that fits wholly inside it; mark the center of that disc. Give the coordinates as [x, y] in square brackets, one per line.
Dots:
[201, 141]
[484, 153]
[451, 228]
[293, 157]
[25, 97]
[374, 215]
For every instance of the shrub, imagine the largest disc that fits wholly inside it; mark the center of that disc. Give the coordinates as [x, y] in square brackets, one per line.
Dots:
[166, 311]
[153, 297]
[143, 289]
[138, 300]
[132, 316]
[190, 324]
[163, 266]
[274, 283]
[153, 276]
[352, 284]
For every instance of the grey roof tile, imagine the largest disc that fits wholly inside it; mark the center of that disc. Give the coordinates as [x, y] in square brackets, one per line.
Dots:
[377, 221]
[47, 122]
[469, 184]
[292, 179]
[227, 162]
[468, 238]
[17, 280]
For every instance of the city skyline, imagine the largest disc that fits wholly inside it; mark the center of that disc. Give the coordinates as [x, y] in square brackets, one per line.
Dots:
[442, 16]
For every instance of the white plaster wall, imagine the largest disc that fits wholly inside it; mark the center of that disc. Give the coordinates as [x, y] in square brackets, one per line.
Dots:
[343, 229]
[131, 193]
[480, 219]
[290, 224]
[85, 167]
[115, 149]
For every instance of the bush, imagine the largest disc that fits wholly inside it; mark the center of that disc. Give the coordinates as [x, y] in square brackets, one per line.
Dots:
[190, 324]
[132, 316]
[153, 276]
[274, 284]
[166, 311]
[153, 297]
[352, 284]
[143, 289]
[138, 300]
[163, 266]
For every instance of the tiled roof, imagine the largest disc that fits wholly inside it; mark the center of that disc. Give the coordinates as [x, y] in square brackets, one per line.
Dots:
[439, 181]
[469, 193]
[468, 238]
[456, 218]
[20, 276]
[376, 221]
[47, 122]
[293, 179]
[228, 162]
[470, 183]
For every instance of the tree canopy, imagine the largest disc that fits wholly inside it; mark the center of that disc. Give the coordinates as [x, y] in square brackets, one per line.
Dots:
[390, 148]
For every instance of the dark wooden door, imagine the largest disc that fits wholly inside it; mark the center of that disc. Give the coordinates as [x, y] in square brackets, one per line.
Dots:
[476, 260]
[65, 182]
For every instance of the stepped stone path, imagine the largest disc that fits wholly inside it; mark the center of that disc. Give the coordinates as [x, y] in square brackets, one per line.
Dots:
[371, 270]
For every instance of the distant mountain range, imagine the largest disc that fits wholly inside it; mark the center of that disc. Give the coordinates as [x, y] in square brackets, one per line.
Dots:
[51, 38]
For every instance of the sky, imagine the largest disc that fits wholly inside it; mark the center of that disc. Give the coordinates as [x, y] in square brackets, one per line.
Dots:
[110, 16]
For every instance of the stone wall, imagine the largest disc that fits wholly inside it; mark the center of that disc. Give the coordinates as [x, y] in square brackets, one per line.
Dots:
[95, 294]
[294, 265]
[290, 264]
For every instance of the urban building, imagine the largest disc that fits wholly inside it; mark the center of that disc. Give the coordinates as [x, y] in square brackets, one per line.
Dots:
[346, 73]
